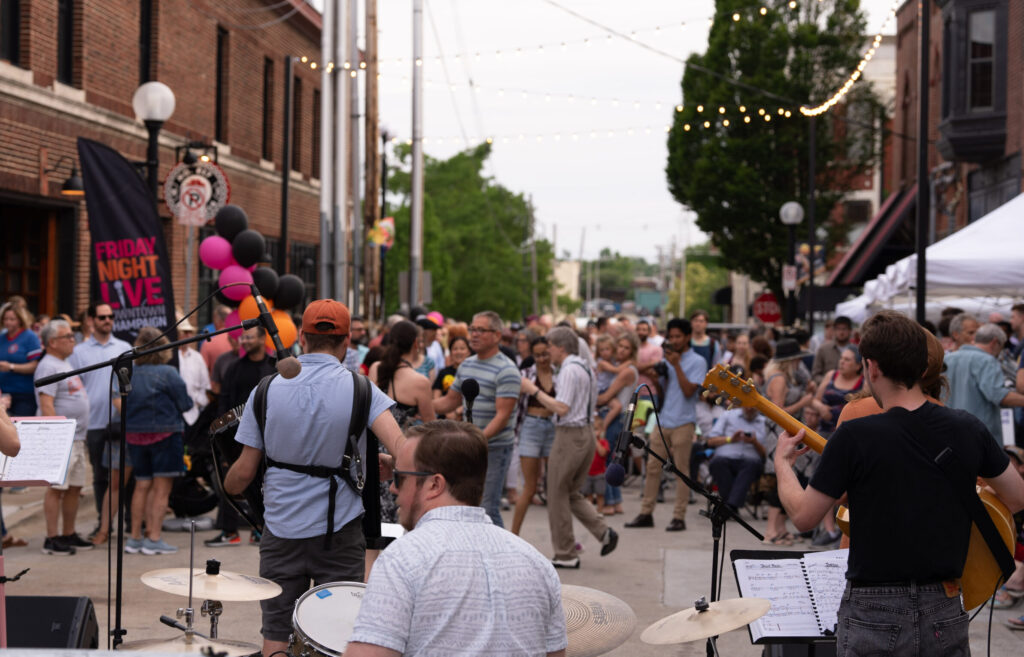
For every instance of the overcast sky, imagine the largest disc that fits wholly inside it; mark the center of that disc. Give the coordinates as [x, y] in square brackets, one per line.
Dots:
[613, 95]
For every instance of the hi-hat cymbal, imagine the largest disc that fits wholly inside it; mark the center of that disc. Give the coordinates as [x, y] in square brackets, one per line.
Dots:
[180, 644]
[692, 625]
[596, 622]
[225, 586]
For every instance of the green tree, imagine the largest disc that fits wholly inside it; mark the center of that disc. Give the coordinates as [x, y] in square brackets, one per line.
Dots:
[475, 239]
[738, 171]
[704, 275]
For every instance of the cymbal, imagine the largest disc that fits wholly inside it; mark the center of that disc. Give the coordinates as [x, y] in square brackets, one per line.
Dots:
[596, 622]
[225, 586]
[692, 625]
[179, 644]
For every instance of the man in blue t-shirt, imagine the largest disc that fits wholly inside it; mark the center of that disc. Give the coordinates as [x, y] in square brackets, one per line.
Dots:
[683, 371]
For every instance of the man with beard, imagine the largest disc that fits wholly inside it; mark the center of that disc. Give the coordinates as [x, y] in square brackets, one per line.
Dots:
[648, 356]
[456, 584]
[239, 380]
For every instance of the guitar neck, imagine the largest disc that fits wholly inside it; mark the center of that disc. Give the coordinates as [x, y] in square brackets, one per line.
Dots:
[789, 423]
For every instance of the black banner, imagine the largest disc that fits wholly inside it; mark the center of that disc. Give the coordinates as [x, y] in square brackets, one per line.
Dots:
[130, 269]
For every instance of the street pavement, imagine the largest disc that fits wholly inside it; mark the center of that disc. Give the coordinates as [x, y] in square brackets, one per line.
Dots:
[657, 573]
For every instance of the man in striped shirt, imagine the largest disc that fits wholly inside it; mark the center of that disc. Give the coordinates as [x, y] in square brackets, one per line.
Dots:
[493, 409]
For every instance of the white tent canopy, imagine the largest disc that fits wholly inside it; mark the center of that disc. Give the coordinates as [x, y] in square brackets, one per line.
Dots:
[983, 261]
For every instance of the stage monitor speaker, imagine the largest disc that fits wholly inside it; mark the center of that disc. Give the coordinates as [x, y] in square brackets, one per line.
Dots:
[51, 622]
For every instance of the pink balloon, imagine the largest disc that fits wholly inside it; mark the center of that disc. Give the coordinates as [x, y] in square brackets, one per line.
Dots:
[233, 320]
[215, 252]
[235, 274]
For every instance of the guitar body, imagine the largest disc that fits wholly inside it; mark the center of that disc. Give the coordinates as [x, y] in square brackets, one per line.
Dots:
[225, 450]
[981, 572]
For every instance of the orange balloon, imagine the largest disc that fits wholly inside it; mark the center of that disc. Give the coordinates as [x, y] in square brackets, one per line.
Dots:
[248, 309]
[285, 330]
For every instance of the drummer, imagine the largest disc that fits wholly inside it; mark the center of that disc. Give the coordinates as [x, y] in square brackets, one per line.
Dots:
[450, 585]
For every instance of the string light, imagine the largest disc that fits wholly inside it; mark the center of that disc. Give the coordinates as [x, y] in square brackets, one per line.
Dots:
[845, 89]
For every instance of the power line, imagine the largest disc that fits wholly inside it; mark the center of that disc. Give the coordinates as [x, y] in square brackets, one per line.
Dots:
[444, 69]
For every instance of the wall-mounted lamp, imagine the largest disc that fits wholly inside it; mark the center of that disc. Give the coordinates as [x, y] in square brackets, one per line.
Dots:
[73, 186]
[206, 152]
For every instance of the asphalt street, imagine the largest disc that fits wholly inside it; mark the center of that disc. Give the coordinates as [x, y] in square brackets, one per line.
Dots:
[655, 572]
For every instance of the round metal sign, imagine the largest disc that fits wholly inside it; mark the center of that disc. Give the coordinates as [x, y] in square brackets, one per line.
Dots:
[195, 192]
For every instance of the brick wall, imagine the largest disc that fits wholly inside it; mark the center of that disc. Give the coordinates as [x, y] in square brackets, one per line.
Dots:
[35, 114]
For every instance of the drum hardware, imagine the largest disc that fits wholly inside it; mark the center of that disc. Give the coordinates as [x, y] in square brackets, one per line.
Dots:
[323, 619]
[705, 620]
[213, 609]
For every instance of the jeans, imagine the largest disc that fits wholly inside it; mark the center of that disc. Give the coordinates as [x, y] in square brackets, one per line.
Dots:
[498, 458]
[734, 476]
[901, 620]
[613, 494]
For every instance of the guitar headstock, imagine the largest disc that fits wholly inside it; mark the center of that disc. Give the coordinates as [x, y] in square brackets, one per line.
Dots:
[726, 387]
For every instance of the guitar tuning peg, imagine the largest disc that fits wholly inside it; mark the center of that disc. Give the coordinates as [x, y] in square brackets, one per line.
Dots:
[722, 374]
[747, 388]
[750, 382]
[719, 400]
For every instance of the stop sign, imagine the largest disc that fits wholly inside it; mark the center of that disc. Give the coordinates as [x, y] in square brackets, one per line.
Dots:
[766, 308]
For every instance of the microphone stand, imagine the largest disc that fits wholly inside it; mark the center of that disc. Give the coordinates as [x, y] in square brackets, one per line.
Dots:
[718, 513]
[122, 366]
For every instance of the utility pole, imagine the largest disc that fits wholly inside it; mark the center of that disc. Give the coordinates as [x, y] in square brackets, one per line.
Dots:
[416, 211]
[355, 168]
[924, 35]
[533, 269]
[341, 143]
[286, 163]
[327, 79]
[554, 283]
[371, 197]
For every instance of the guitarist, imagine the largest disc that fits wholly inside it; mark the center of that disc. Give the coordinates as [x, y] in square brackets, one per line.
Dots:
[912, 528]
[240, 378]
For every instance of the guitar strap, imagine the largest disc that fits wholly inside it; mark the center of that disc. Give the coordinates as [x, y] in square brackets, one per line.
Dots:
[945, 459]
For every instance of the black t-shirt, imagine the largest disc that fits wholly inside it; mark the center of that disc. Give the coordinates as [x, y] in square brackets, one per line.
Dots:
[444, 379]
[239, 380]
[906, 519]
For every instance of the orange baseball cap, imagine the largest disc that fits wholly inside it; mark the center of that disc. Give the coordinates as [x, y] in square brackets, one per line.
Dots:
[326, 317]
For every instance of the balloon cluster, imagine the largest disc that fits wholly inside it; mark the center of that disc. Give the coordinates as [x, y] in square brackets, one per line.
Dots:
[236, 251]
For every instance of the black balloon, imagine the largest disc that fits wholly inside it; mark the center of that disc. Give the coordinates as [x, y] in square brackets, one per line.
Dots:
[290, 291]
[230, 221]
[230, 303]
[248, 247]
[266, 281]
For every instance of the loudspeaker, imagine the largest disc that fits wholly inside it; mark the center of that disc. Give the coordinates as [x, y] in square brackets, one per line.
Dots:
[51, 622]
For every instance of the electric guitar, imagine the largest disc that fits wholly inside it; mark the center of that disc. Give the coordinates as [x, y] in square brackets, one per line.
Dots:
[981, 572]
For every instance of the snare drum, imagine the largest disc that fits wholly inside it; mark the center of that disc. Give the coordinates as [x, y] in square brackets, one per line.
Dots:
[323, 619]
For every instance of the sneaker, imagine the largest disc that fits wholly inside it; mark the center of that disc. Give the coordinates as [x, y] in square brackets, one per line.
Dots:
[77, 542]
[254, 538]
[826, 539]
[133, 545]
[157, 547]
[609, 541]
[56, 546]
[566, 563]
[223, 540]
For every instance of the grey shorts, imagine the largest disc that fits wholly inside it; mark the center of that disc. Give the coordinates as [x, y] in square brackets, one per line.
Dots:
[594, 485]
[292, 563]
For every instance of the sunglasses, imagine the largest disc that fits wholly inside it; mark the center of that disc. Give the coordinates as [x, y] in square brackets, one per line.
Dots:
[110, 316]
[401, 474]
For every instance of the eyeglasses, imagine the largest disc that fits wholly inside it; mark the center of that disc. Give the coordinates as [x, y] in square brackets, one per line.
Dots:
[399, 474]
[110, 316]
[477, 329]
[65, 337]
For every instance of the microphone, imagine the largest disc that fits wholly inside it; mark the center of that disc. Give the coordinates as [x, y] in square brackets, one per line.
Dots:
[470, 389]
[288, 366]
[616, 474]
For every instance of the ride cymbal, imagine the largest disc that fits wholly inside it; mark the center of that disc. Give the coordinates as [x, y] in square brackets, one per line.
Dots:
[692, 625]
[596, 622]
[224, 586]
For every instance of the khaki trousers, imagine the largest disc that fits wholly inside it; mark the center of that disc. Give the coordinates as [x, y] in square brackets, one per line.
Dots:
[570, 459]
[680, 442]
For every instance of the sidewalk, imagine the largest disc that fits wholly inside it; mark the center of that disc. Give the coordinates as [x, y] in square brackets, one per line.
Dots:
[655, 572]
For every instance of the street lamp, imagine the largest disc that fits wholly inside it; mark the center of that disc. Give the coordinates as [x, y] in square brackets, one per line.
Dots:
[153, 103]
[791, 214]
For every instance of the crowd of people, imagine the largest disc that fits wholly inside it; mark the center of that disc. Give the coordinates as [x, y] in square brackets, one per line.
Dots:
[548, 402]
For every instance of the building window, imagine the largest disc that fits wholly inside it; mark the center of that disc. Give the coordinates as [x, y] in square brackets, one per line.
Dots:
[10, 30]
[981, 27]
[304, 265]
[65, 41]
[145, 39]
[268, 108]
[220, 127]
[315, 146]
[296, 123]
[992, 185]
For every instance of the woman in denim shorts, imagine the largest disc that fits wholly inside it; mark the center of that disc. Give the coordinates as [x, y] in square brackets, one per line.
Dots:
[155, 443]
[536, 428]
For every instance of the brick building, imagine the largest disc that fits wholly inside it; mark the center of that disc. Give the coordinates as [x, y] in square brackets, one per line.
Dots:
[69, 68]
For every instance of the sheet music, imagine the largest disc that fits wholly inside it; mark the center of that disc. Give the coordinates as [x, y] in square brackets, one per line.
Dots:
[827, 574]
[45, 451]
[805, 593]
[782, 582]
